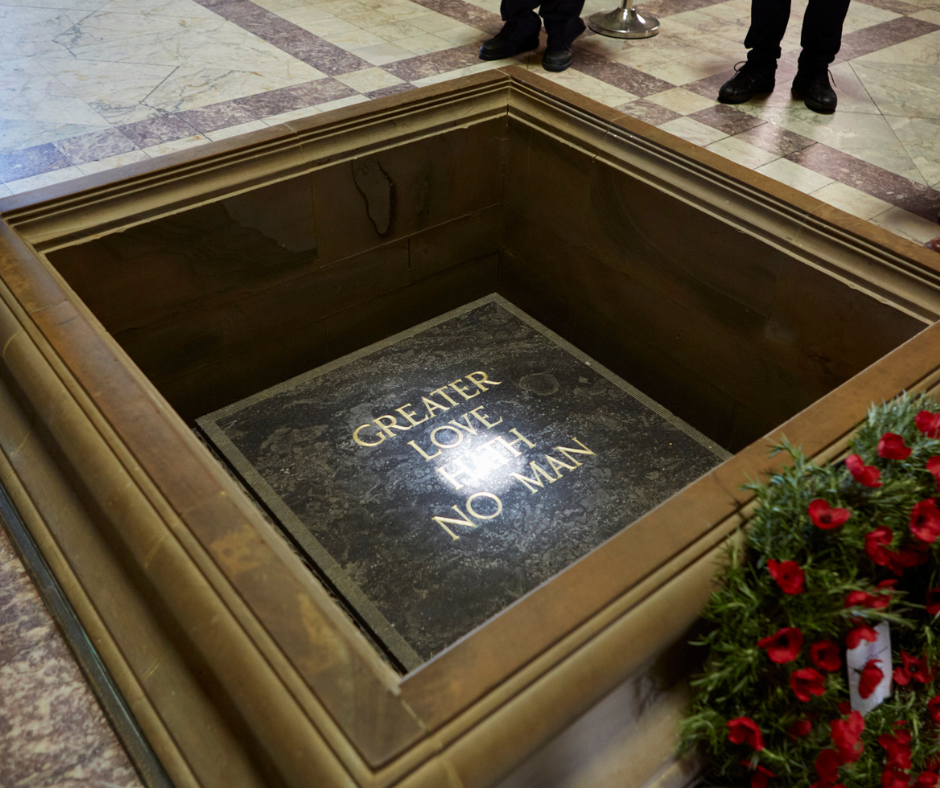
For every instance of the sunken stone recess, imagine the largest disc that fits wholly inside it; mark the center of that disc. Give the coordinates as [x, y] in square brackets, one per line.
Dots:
[437, 476]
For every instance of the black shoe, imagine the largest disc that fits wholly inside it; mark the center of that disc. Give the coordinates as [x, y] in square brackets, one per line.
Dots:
[515, 37]
[557, 55]
[752, 79]
[814, 88]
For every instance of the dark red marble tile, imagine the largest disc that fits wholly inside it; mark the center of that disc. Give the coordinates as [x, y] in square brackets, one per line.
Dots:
[897, 6]
[465, 12]
[216, 116]
[6, 548]
[775, 139]
[726, 118]
[274, 102]
[435, 63]
[95, 146]
[649, 112]
[899, 191]
[886, 34]
[156, 131]
[617, 74]
[391, 90]
[27, 162]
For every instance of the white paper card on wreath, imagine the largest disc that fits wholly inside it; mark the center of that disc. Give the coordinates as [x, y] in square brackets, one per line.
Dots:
[857, 658]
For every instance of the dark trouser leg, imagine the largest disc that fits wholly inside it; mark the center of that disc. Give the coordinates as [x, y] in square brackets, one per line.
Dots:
[821, 37]
[768, 24]
[560, 12]
[522, 14]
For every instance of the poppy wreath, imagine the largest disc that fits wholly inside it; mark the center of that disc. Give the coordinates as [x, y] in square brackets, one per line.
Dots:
[830, 553]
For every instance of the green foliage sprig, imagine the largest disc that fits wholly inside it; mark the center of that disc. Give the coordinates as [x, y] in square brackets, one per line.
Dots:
[854, 544]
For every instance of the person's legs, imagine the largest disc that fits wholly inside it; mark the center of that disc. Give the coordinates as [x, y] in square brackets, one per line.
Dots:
[563, 24]
[768, 24]
[821, 39]
[520, 32]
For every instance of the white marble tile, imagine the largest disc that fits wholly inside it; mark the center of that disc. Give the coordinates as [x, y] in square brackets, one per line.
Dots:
[680, 100]
[643, 53]
[234, 131]
[907, 225]
[900, 89]
[693, 131]
[369, 79]
[103, 27]
[476, 68]
[354, 39]
[340, 103]
[927, 15]
[395, 31]
[592, 88]
[430, 22]
[33, 30]
[424, 44]
[178, 9]
[724, 11]
[285, 117]
[398, 12]
[4, 191]
[853, 96]
[852, 200]
[861, 16]
[795, 175]
[113, 90]
[9, 49]
[867, 137]
[171, 47]
[921, 139]
[176, 145]
[46, 179]
[382, 54]
[325, 26]
[740, 152]
[920, 51]
[278, 6]
[690, 69]
[113, 161]
[463, 34]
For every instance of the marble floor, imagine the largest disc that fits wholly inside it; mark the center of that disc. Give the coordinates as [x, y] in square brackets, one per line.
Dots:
[87, 85]
[90, 85]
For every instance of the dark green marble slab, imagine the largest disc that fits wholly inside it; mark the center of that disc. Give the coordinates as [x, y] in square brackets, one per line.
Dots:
[436, 477]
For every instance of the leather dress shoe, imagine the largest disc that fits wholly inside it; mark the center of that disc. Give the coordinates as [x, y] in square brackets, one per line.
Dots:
[752, 79]
[558, 55]
[814, 88]
[515, 37]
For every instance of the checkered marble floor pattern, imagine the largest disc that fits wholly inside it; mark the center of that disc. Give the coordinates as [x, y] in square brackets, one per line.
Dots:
[87, 85]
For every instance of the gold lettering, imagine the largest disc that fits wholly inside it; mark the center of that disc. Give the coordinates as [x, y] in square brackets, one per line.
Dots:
[482, 418]
[511, 445]
[452, 477]
[461, 392]
[445, 395]
[555, 464]
[431, 406]
[499, 505]
[534, 482]
[568, 451]
[464, 521]
[483, 381]
[389, 423]
[361, 442]
[465, 426]
[455, 430]
[410, 416]
[421, 451]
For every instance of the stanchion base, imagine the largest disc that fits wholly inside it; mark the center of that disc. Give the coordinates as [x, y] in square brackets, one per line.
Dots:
[624, 23]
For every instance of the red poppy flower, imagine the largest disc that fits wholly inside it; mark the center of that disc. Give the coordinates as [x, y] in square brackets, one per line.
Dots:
[760, 776]
[806, 682]
[892, 778]
[908, 556]
[861, 632]
[875, 545]
[933, 708]
[799, 729]
[864, 599]
[891, 447]
[846, 735]
[925, 521]
[783, 646]
[933, 468]
[825, 655]
[870, 678]
[928, 423]
[788, 575]
[867, 475]
[897, 747]
[743, 730]
[932, 601]
[827, 765]
[927, 780]
[826, 517]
